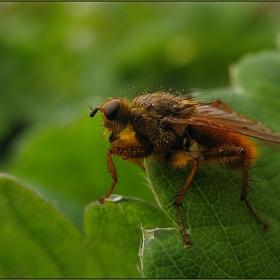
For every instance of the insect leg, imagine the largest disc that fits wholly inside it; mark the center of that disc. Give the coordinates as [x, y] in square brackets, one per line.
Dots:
[132, 153]
[196, 157]
[244, 191]
[178, 200]
[232, 156]
[236, 154]
[113, 172]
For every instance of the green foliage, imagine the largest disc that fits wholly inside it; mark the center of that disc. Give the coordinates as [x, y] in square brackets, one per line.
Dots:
[117, 225]
[57, 58]
[37, 239]
[228, 241]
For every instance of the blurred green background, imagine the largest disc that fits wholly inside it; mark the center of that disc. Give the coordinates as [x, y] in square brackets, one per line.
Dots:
[58, 58]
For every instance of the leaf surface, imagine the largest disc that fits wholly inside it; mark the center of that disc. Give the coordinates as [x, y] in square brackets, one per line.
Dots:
[36, 240]
[115, 229]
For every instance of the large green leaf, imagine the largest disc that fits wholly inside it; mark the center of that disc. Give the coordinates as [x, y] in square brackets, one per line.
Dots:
[36, 240]
[228, 241]
[115, 229]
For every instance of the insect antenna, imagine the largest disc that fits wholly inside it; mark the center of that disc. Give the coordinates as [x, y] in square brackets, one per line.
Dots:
[93, 111]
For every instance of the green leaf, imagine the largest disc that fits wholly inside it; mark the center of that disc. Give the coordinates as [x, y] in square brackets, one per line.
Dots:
[256, 77]
[259, 73]
[115, 228]
[227, 240]
[36, 240]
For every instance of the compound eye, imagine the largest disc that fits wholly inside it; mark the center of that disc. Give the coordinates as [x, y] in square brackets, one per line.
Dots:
[112, 109]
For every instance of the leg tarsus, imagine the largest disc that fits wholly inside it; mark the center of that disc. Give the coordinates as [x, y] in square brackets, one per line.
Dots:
[187, 242]
[263, 222]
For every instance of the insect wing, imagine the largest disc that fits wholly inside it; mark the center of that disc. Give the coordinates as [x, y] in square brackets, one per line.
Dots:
[207, 115]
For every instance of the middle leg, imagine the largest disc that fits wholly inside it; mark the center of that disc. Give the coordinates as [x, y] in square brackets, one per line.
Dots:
[230, 155]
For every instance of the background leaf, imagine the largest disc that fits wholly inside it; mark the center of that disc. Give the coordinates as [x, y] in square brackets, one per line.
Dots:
[36, 240]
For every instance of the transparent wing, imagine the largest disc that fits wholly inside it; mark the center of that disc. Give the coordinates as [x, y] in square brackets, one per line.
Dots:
[207, 115]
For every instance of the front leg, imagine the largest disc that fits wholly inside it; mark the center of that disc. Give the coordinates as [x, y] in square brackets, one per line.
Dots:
[131, 153]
